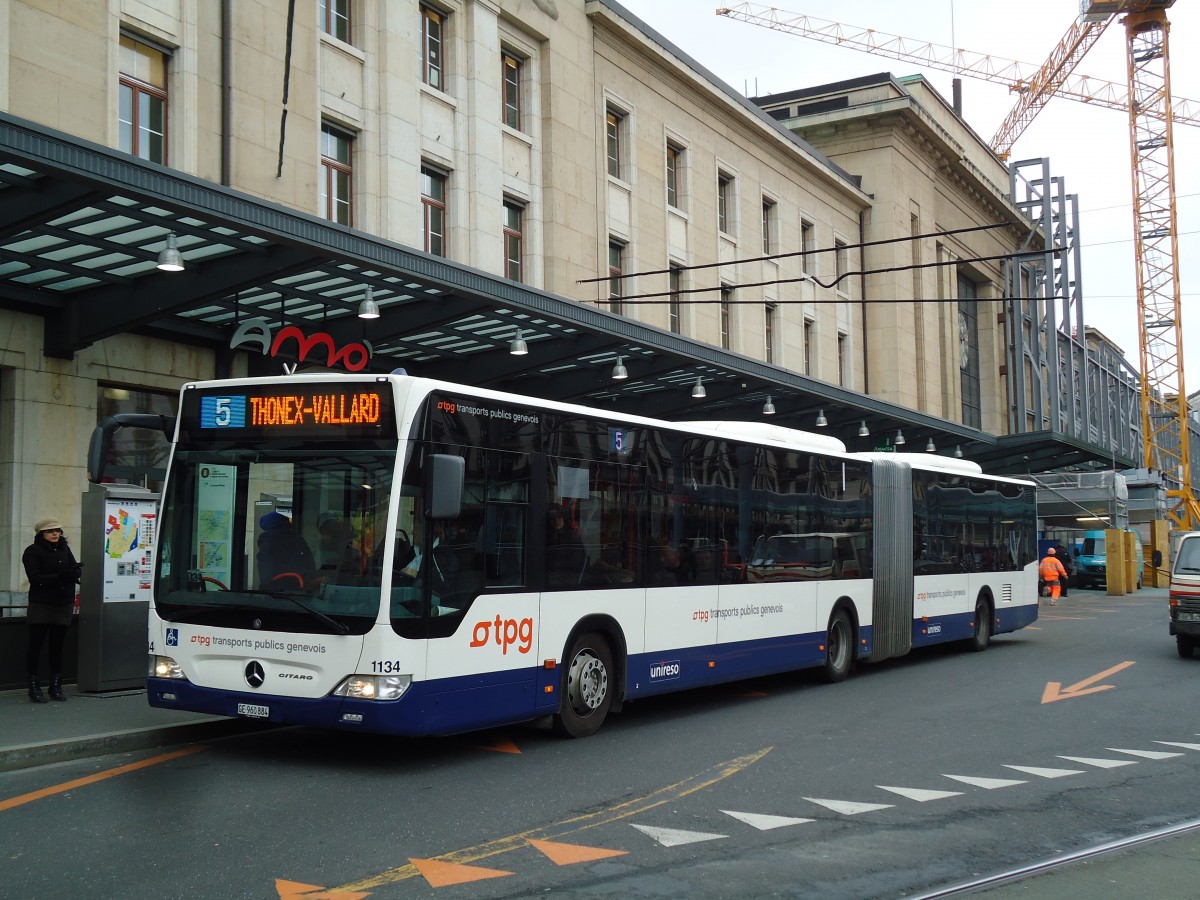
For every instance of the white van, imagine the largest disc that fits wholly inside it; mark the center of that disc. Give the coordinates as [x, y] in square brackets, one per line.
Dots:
[1185, 594]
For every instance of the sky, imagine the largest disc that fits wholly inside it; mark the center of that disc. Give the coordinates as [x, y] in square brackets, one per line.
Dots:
[1087, 146]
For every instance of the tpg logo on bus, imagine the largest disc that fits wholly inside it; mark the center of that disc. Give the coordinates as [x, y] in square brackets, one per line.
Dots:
[507, 632]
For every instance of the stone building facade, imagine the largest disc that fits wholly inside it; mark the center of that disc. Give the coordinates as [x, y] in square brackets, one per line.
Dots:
[561, 143]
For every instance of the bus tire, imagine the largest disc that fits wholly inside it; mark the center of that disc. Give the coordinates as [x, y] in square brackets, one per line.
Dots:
[588, 686]
[839, 647]
[1185, 644]
[983, 626]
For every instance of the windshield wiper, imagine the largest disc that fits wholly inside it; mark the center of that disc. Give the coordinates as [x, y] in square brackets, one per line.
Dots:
[195, 610]
[177, 609]
[338, 627]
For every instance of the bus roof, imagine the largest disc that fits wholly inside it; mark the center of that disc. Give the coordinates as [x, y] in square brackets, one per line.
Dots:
[764, 432]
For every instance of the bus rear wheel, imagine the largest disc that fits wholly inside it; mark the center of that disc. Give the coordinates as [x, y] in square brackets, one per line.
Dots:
[588, 688]
[1185, 644]
[983, 626]
[839, 647]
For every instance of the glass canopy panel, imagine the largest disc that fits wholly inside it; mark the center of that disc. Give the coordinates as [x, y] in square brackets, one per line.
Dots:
[106, 225]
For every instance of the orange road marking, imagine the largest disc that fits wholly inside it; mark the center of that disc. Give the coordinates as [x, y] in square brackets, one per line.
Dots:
[290, 889]
[1055, 691]
[443, 874]
[92, 779]
[294, 890]
[504, 745]
[638, 805]
[568, 854]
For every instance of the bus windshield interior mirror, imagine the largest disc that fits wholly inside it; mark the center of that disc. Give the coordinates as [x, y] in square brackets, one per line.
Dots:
[444, 485]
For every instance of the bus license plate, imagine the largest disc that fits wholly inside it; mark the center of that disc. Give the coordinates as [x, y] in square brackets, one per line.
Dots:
[254, 712]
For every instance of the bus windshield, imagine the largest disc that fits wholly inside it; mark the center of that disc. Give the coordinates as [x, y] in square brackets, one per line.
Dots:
[275, 537]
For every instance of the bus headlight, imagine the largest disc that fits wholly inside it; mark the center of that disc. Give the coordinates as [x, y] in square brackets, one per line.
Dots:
[165, 667]
[373, 687]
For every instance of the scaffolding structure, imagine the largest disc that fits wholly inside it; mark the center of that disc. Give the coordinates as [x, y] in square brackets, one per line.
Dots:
[1057, 381]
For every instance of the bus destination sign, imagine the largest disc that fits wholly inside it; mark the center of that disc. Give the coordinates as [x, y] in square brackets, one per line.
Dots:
[322, 411]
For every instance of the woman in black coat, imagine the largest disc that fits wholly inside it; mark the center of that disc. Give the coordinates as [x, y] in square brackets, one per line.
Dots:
[53, 572]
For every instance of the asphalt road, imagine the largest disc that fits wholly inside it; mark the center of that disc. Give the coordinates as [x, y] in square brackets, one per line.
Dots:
[911, 775]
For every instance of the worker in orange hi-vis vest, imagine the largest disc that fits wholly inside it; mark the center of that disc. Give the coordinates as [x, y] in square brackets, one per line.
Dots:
[1051, 570]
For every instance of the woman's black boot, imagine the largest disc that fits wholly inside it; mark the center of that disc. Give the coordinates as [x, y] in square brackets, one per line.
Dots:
[56, 691]
[35, 692]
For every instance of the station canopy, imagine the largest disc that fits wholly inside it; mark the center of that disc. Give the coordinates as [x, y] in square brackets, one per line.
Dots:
[82, 227]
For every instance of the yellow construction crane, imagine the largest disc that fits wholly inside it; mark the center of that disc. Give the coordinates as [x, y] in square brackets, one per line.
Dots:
[1152, 112]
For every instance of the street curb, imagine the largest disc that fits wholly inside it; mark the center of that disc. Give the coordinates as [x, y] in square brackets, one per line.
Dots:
[27, 756]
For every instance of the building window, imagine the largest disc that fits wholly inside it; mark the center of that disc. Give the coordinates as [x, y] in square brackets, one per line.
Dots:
[724, 203]
[616, 264]
[675, 281]
[842, 361]
[968, 352]
[335, 18]
[769, 331]
[513, 213]
[808, 346]
[614, 136]
[918, 310]
[143, 101]
[432, 26]
[511, 66]
[768, 226]
[674, 176]
[337, 179]
[726, 306]
[808, 246]
[842, 260]
[433, 201]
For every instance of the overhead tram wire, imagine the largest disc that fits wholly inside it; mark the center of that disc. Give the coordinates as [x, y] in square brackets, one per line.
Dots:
[794, 253]
[641, 299]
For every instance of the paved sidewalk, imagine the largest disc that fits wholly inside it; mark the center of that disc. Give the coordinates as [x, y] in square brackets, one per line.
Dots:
[33, 734]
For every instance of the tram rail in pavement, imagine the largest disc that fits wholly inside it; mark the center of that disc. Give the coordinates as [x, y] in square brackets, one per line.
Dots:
[1164, 864]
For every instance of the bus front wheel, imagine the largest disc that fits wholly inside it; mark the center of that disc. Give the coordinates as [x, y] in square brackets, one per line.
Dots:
[839, 647]
[1185, 644]
[588, 687]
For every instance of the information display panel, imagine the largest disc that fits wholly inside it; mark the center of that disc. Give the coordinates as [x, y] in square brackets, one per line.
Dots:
[305, 410]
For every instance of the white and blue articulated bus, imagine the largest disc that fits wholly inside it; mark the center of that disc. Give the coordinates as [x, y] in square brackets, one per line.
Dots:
[393, 554]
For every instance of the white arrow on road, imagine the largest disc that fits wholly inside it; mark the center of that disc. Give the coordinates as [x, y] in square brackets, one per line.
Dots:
[848, 807]
[918, 794]
[673, 837]
[764, 822]
[989, 784]
[1045, 773]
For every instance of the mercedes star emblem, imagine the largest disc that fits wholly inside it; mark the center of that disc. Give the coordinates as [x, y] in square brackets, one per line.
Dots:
[255, 676]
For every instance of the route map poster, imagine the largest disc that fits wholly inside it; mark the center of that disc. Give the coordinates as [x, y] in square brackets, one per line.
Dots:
[214, 527]
[129, 535]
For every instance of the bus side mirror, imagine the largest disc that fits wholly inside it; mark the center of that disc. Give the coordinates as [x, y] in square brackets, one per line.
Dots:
[445, 475]
[1156, 559]
[102, 437]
